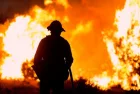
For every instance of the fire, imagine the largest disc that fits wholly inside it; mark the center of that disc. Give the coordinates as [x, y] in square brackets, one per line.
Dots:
[24, 32]
[61, 2]
[123, 47]
[24, 36]
[21, 40]
[102, 81]
[46, 2]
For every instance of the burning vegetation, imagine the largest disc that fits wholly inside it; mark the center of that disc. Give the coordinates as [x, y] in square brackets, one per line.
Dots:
[19, 38]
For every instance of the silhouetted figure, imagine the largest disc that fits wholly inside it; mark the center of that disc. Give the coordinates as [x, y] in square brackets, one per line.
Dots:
[53, 58]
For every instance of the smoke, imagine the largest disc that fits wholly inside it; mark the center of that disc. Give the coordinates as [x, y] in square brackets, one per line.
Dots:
[9, 8]
[86, 21]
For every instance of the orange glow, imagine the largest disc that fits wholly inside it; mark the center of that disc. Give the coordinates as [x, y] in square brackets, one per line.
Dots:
[24, 37]
[21, 40]
[1, 35]
[64, 3]
[102, 81]
[23, 33]
[123, 47]
[47, 2]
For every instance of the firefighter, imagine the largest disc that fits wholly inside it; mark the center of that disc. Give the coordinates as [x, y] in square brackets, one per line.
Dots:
[53, 59]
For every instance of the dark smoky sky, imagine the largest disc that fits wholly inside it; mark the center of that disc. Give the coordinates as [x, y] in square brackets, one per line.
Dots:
[10, 7]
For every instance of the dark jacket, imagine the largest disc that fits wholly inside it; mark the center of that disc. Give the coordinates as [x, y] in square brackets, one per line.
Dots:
[54, 56]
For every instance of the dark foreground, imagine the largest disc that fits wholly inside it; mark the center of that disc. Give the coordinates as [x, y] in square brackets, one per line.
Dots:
[30, 87]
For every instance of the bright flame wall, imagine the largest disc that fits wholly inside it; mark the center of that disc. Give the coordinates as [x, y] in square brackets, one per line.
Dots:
[123, 46]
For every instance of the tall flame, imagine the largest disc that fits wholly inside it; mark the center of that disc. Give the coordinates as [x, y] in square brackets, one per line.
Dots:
[123, 48]
[24, 37]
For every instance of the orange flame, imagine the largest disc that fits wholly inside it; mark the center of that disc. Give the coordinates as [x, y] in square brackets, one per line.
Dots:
[24, 36]
[24, 33]
[21, 40]
[123, 46]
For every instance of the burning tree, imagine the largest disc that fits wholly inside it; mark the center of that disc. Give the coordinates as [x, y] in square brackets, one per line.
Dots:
[124, 46]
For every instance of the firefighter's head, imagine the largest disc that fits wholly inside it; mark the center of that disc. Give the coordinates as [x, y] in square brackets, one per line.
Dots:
[55, 27]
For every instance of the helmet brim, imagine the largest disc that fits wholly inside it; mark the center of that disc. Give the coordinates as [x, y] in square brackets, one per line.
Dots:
[61, 29]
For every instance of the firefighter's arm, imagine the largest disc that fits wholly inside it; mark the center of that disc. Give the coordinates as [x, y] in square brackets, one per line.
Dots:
[39, 52]
[68, 55]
